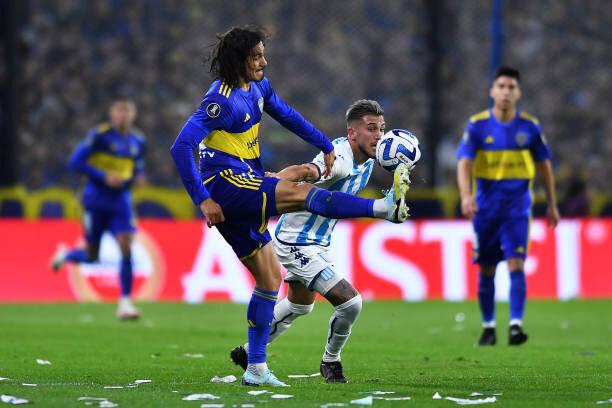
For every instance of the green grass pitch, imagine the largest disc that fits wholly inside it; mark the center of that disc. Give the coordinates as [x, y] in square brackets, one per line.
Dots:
[414, 349]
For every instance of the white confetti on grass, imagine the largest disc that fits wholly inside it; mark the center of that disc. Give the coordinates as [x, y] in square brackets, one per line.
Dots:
[436, 396]
[200, 397]
[223, 380]
[137, 382]
[43, 362]
[393, 398]
[113, 387]
[258, 392]
[102, 402]
[303, 375]
[9, 399]
[486, 394]
[464, 401]
[29, 385]
[334, 404]
[378, 392]
[212, 405]
[609, 401]
[281, 396]
[191, 355]
[363, 401]
[4, 378]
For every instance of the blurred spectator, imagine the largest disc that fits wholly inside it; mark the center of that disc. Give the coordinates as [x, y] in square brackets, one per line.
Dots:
[576, 201]
[324, 56]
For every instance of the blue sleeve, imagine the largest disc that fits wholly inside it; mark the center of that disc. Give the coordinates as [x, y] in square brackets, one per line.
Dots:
[539, 147]
[291, 119]
[468, 147]
[214, 113]
[78, 159]
[139, 162]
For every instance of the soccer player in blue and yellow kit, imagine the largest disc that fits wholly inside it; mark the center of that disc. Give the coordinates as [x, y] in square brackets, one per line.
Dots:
[232, 190]
[112, 158]
[499, 153]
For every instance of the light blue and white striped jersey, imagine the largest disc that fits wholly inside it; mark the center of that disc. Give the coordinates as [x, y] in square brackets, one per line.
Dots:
[305, 228]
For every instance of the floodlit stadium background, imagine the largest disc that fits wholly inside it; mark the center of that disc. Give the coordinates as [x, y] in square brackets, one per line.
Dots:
[427, 62]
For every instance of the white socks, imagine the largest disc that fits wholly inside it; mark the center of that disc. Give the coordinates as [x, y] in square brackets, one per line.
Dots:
[340, 325]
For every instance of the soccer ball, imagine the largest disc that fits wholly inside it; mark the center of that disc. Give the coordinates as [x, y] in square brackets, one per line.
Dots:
[397, 146]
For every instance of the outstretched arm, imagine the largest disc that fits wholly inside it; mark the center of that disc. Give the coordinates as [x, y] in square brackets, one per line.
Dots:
[300, 172]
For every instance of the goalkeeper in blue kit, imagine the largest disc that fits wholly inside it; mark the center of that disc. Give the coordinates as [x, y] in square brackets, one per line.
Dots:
[231, 188]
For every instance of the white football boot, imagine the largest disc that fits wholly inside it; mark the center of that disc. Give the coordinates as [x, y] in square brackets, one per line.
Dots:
[126, 310]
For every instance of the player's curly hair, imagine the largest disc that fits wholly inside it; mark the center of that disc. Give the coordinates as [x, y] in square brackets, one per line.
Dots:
[231, 51]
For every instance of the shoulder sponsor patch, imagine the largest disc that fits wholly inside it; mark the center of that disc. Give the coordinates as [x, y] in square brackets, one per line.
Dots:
[213, 110]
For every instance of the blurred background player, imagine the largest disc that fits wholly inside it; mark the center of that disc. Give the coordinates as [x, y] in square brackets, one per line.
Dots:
[303, 239]
[234, 194]
[112, 158]
[501, 149]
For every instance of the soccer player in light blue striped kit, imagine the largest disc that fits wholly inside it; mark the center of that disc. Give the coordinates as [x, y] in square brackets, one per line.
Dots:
[302, 239]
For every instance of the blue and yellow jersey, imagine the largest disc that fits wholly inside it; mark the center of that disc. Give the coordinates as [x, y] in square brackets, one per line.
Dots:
[106, 150]
[226, 129]
[504, 156]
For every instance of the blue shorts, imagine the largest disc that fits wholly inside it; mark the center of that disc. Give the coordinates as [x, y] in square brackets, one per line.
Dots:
[119, 220]
[498, 239]
[248, 201]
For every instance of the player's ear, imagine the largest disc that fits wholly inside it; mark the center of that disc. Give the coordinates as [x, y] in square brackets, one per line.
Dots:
[351, 132]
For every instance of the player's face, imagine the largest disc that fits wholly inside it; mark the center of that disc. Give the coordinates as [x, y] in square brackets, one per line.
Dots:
[366, 132]
[122, 114]
[505, 92]
[255, 63]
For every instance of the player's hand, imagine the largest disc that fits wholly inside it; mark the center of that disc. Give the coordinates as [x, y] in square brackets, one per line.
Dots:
[552, 214]
[329, 160]
[113, 180]
[271, 174]
[468, 207]
[212, 212]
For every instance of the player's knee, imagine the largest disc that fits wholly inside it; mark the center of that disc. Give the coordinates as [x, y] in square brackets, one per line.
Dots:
[487, 270]
[300, 310]
[350, 309]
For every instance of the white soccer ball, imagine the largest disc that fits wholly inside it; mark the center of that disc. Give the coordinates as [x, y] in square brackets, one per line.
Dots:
[395, 147]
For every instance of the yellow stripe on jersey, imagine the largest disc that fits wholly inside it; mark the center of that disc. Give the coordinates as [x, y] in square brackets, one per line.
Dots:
[123, 166]
[244, 145]
[531, 118]
[208, 180]
[504, 164]
[225, 90]
[239, 181]
[486, 114]
[103, 127]
[264, 220]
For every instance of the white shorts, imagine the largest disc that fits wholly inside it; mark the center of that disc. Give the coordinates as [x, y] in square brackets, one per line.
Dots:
[309, 265]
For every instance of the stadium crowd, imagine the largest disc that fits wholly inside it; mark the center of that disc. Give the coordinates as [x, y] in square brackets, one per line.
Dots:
[81, 54]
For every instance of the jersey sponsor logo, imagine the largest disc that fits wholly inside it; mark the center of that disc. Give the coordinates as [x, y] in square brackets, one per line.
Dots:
[489, 140]
[247, 117]
[521, 138]
[466, 136]
[260, 103]
[213, 110]
[253, 143]
[98, 282]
